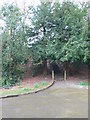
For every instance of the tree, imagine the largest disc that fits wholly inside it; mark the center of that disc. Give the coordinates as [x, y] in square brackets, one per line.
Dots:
[68, 33]
[13, 44]
[40, 30]
[63, 36]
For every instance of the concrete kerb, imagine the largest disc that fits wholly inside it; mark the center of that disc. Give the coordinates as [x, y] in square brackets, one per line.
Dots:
[39, 90]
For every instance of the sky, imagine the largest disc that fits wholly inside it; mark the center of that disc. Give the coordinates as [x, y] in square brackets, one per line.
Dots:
[22, 3]
[28, 2]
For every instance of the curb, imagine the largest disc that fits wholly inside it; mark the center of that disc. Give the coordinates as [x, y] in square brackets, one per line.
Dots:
[39, 90]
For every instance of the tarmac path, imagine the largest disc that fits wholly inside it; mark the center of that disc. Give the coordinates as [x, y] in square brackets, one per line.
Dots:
[55, 102]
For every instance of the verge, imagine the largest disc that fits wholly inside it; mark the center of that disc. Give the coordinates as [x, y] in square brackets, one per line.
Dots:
[36, 91]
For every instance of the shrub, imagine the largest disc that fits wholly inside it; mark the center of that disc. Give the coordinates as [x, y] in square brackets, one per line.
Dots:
[11, 77]
[26, 89]
[36, 85]
[43, 83]
[36, 69]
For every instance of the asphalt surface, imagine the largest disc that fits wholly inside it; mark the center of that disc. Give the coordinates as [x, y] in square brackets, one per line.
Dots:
[55, 102]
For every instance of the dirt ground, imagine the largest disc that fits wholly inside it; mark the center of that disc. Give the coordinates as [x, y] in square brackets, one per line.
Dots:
[72, 81]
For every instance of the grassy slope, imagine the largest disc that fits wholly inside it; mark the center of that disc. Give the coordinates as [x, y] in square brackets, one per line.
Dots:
[21, 90]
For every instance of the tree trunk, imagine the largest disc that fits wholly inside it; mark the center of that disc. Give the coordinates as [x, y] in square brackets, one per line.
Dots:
[66, 69]
[45, 72]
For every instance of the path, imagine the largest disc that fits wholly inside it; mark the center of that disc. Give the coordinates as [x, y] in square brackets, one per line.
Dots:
[55, 102]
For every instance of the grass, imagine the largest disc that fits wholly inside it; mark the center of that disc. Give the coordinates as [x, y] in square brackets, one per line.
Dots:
[84, 83]
[21, 90]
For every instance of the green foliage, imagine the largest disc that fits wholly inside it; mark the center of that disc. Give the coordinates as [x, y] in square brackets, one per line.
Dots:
[26, 89]
[36, 85]
[41, 24]
[84, 83]
[86, 35]
[19, 86]
[64, 29]
[36, 69]
[43, 83]
[14, 49]
[70, 41]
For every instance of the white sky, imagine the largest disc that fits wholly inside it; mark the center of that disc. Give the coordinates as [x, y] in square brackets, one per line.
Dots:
[21, 3]
[28, 2]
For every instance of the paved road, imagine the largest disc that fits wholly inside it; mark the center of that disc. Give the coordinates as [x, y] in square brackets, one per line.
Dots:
[54, 102]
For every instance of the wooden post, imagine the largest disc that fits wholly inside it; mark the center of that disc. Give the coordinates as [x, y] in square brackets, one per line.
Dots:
[53, 76]
[65, 71]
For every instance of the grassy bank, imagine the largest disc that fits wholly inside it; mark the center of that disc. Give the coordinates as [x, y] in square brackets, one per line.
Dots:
[23, 90]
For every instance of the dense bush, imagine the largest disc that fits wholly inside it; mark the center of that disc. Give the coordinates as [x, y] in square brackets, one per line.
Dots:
[14, 47]
[36, 69]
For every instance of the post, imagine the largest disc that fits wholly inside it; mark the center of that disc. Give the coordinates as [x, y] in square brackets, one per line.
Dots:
[65, 71]
[53, 76]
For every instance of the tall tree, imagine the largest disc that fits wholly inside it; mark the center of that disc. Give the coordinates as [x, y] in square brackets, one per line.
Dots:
[13, 44]
[40, 30]
[58, 34]
[68, 33]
